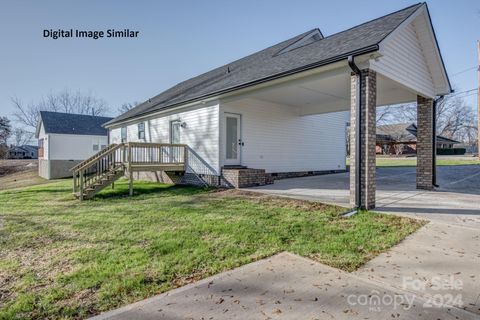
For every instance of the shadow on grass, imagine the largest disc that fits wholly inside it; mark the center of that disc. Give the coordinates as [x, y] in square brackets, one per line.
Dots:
[121, 191]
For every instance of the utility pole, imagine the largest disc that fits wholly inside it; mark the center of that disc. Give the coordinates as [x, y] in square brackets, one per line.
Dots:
[478, 100]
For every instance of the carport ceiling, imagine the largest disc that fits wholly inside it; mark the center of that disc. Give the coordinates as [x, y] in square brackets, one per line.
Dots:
[330, 94]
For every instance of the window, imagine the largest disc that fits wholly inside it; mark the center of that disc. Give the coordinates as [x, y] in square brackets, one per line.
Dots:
[124, 134]
[103, 146]
[141, 130]
[95, 147]
[40, 148]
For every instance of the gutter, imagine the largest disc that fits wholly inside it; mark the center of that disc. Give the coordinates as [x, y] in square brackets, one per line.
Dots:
[322, 63]
[434, 140]
[358, 133]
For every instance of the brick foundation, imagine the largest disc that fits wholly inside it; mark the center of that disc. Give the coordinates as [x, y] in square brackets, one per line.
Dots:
[368, 137]
[244, 177]
[424, 143]
[231, 177]
[298, 174]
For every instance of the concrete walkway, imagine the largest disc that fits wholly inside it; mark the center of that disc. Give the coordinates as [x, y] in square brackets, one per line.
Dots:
[440, 262]
[286, 286]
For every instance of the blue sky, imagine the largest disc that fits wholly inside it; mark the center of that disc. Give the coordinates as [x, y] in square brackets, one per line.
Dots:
[181, 39]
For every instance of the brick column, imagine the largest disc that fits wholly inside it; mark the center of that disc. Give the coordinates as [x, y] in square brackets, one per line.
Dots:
[368, 137]
[424, 143]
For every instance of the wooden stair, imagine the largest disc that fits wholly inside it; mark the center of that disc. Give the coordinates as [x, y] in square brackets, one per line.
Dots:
[107, 179]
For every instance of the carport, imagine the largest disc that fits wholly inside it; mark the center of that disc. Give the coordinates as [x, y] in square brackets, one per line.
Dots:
[457, 195]
[403, 66]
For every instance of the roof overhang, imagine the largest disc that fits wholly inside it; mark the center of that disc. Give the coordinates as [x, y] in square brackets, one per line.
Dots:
[39, 125]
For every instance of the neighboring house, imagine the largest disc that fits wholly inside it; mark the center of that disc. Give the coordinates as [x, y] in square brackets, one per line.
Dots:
[65, 140]
[401, 138]
[283, 110]
[23, 152]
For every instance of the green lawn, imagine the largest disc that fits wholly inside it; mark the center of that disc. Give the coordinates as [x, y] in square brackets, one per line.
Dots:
[61, 258]
[412, 162]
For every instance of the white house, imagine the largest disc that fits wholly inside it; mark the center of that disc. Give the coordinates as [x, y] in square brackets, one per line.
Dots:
[283, 111]
[66, 139]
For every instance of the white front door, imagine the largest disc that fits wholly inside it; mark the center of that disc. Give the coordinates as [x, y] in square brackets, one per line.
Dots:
[175, 131]
[174, 155]
[233, 139]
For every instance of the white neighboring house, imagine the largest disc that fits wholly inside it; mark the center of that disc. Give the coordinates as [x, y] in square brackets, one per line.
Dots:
[66, 139]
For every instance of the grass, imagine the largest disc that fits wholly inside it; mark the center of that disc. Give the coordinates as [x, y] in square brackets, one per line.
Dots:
[412, 162]
[21, 179]
[61, 258]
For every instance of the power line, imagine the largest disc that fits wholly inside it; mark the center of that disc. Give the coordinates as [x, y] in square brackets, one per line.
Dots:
[471, 94]
[463, 71]
[462, 92]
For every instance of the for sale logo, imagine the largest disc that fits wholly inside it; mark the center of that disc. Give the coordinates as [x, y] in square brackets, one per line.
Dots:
[376, 300]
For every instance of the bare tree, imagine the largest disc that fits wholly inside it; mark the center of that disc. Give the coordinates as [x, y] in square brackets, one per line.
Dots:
[63, 101]
[127, 106]
[21, 137]
[399, 148]
[5, 132]
[455, 119]
[385, 115]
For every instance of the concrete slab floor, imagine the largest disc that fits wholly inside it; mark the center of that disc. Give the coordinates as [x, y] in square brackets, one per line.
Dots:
[286, 286]
[457, 200]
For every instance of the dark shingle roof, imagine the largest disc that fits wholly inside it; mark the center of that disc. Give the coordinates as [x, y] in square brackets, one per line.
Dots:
[69, 123]
[403, 132]
[268, 64]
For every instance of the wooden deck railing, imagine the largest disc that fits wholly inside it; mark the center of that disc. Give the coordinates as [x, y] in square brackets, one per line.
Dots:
[127, 157]
[140, 153]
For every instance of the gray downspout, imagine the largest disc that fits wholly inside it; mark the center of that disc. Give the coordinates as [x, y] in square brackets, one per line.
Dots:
[434, 141]
[358, 132]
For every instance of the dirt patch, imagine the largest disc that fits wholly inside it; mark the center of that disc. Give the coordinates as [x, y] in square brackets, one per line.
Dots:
[278, 202]
[19, 173]
[12, 166]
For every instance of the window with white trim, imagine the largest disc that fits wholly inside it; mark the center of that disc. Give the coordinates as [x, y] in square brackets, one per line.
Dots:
[141, 130]
[123, 134]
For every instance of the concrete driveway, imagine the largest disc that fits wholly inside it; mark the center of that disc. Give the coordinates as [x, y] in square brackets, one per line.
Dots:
[456, 201]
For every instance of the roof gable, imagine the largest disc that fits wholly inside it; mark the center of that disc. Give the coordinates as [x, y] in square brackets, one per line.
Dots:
[403, 132]
[415, 39]
[268, 64]
[69, 123]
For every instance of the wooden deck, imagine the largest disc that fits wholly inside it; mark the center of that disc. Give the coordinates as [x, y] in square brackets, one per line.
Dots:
[117, 160]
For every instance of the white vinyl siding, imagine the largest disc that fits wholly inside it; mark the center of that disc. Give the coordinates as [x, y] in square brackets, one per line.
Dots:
[277, 139]
[115, 135]
[200, 132]
[73, 147]
[404, 61]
